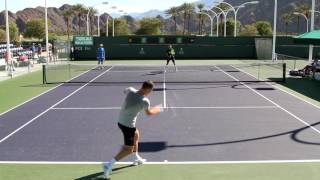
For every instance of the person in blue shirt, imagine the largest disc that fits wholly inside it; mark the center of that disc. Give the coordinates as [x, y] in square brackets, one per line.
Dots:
[33, 49]
[101, 55]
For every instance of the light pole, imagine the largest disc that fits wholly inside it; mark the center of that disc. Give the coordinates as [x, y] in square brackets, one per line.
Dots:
[211, 20]
[236, 14]
[225, 19]
[235, 11]
[88, 24]
[47, 31]
[217, 16]
[305, 17]
[313, 8]
[8, 53]
[98, 25]
[275, 17]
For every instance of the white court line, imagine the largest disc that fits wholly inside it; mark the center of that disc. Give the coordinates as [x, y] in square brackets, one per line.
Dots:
[300, 98]
[168, 107]
[42, 93]
[29, 122]
[89, 108]
[285, 110]
[158, 70]
[164, 89]
[162, 162]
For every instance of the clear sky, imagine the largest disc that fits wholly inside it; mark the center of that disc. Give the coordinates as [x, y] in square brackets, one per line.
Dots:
[126, 5]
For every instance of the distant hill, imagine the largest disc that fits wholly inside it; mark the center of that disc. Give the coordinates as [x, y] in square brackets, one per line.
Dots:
[151, 13]
[248, 15]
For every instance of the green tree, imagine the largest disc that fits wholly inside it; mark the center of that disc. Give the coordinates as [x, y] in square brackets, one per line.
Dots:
[264, 28]
[121, 27]
[67, 14]
[200, 16]
[174, 13]
[190, 10]
[35, 29]
[149, 26]
[52, 36]
[286, 19]
[80, 10]
[93, 13]
[230, 26]
[184, 9]
[249, 30]
[13, 30]
[2, 35]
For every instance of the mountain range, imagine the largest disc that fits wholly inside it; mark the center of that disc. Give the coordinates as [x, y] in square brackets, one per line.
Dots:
[262, 11]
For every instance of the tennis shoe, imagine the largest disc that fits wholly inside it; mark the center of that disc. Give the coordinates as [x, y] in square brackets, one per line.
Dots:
[139, 161]
[107, 168]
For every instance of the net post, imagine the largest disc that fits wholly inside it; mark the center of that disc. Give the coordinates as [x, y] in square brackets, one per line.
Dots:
[44, 79]
[284, 73]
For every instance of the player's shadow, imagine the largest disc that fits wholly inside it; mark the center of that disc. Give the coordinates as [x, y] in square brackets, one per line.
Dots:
[100, 176]
[293, 135]
[160, 146]
[152, 146]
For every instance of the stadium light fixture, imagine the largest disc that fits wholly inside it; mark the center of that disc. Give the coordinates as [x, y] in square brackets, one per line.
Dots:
[305, 17]
[225, 19]
[88, 24]
[315, 11]
[235, 11]
[211, 20]
[217, 16]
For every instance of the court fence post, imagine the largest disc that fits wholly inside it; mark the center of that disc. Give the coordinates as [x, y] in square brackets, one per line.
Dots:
[44, 79]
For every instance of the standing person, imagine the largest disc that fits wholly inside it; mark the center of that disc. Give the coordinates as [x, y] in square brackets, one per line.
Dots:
[101, 55]
[171, 56]
[33, 49]
[72, 53]
[135, 102]
[39, 50]
[9, 61]
[55, 53]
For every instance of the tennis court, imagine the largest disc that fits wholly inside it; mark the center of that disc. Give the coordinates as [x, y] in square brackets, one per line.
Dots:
[213, 114]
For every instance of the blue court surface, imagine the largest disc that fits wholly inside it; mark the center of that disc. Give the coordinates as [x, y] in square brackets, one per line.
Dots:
[223, 116]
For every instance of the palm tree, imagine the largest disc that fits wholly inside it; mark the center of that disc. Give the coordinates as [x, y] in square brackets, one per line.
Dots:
[173, 12]
[184, 9]
[287, 19]
[80, 10]
[67, 13]
[224, 7]
[190, 10]
[93, 12]
[200, 8]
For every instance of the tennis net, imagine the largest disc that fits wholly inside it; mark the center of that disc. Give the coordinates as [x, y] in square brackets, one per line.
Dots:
[80, 73]
[293, 62]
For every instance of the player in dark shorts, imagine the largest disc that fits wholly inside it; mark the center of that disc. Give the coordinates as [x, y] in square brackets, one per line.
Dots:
[171, 56]
[135, 102]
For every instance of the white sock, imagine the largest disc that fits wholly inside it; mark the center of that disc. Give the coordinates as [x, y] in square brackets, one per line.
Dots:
[113, 161]
[136, 155]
